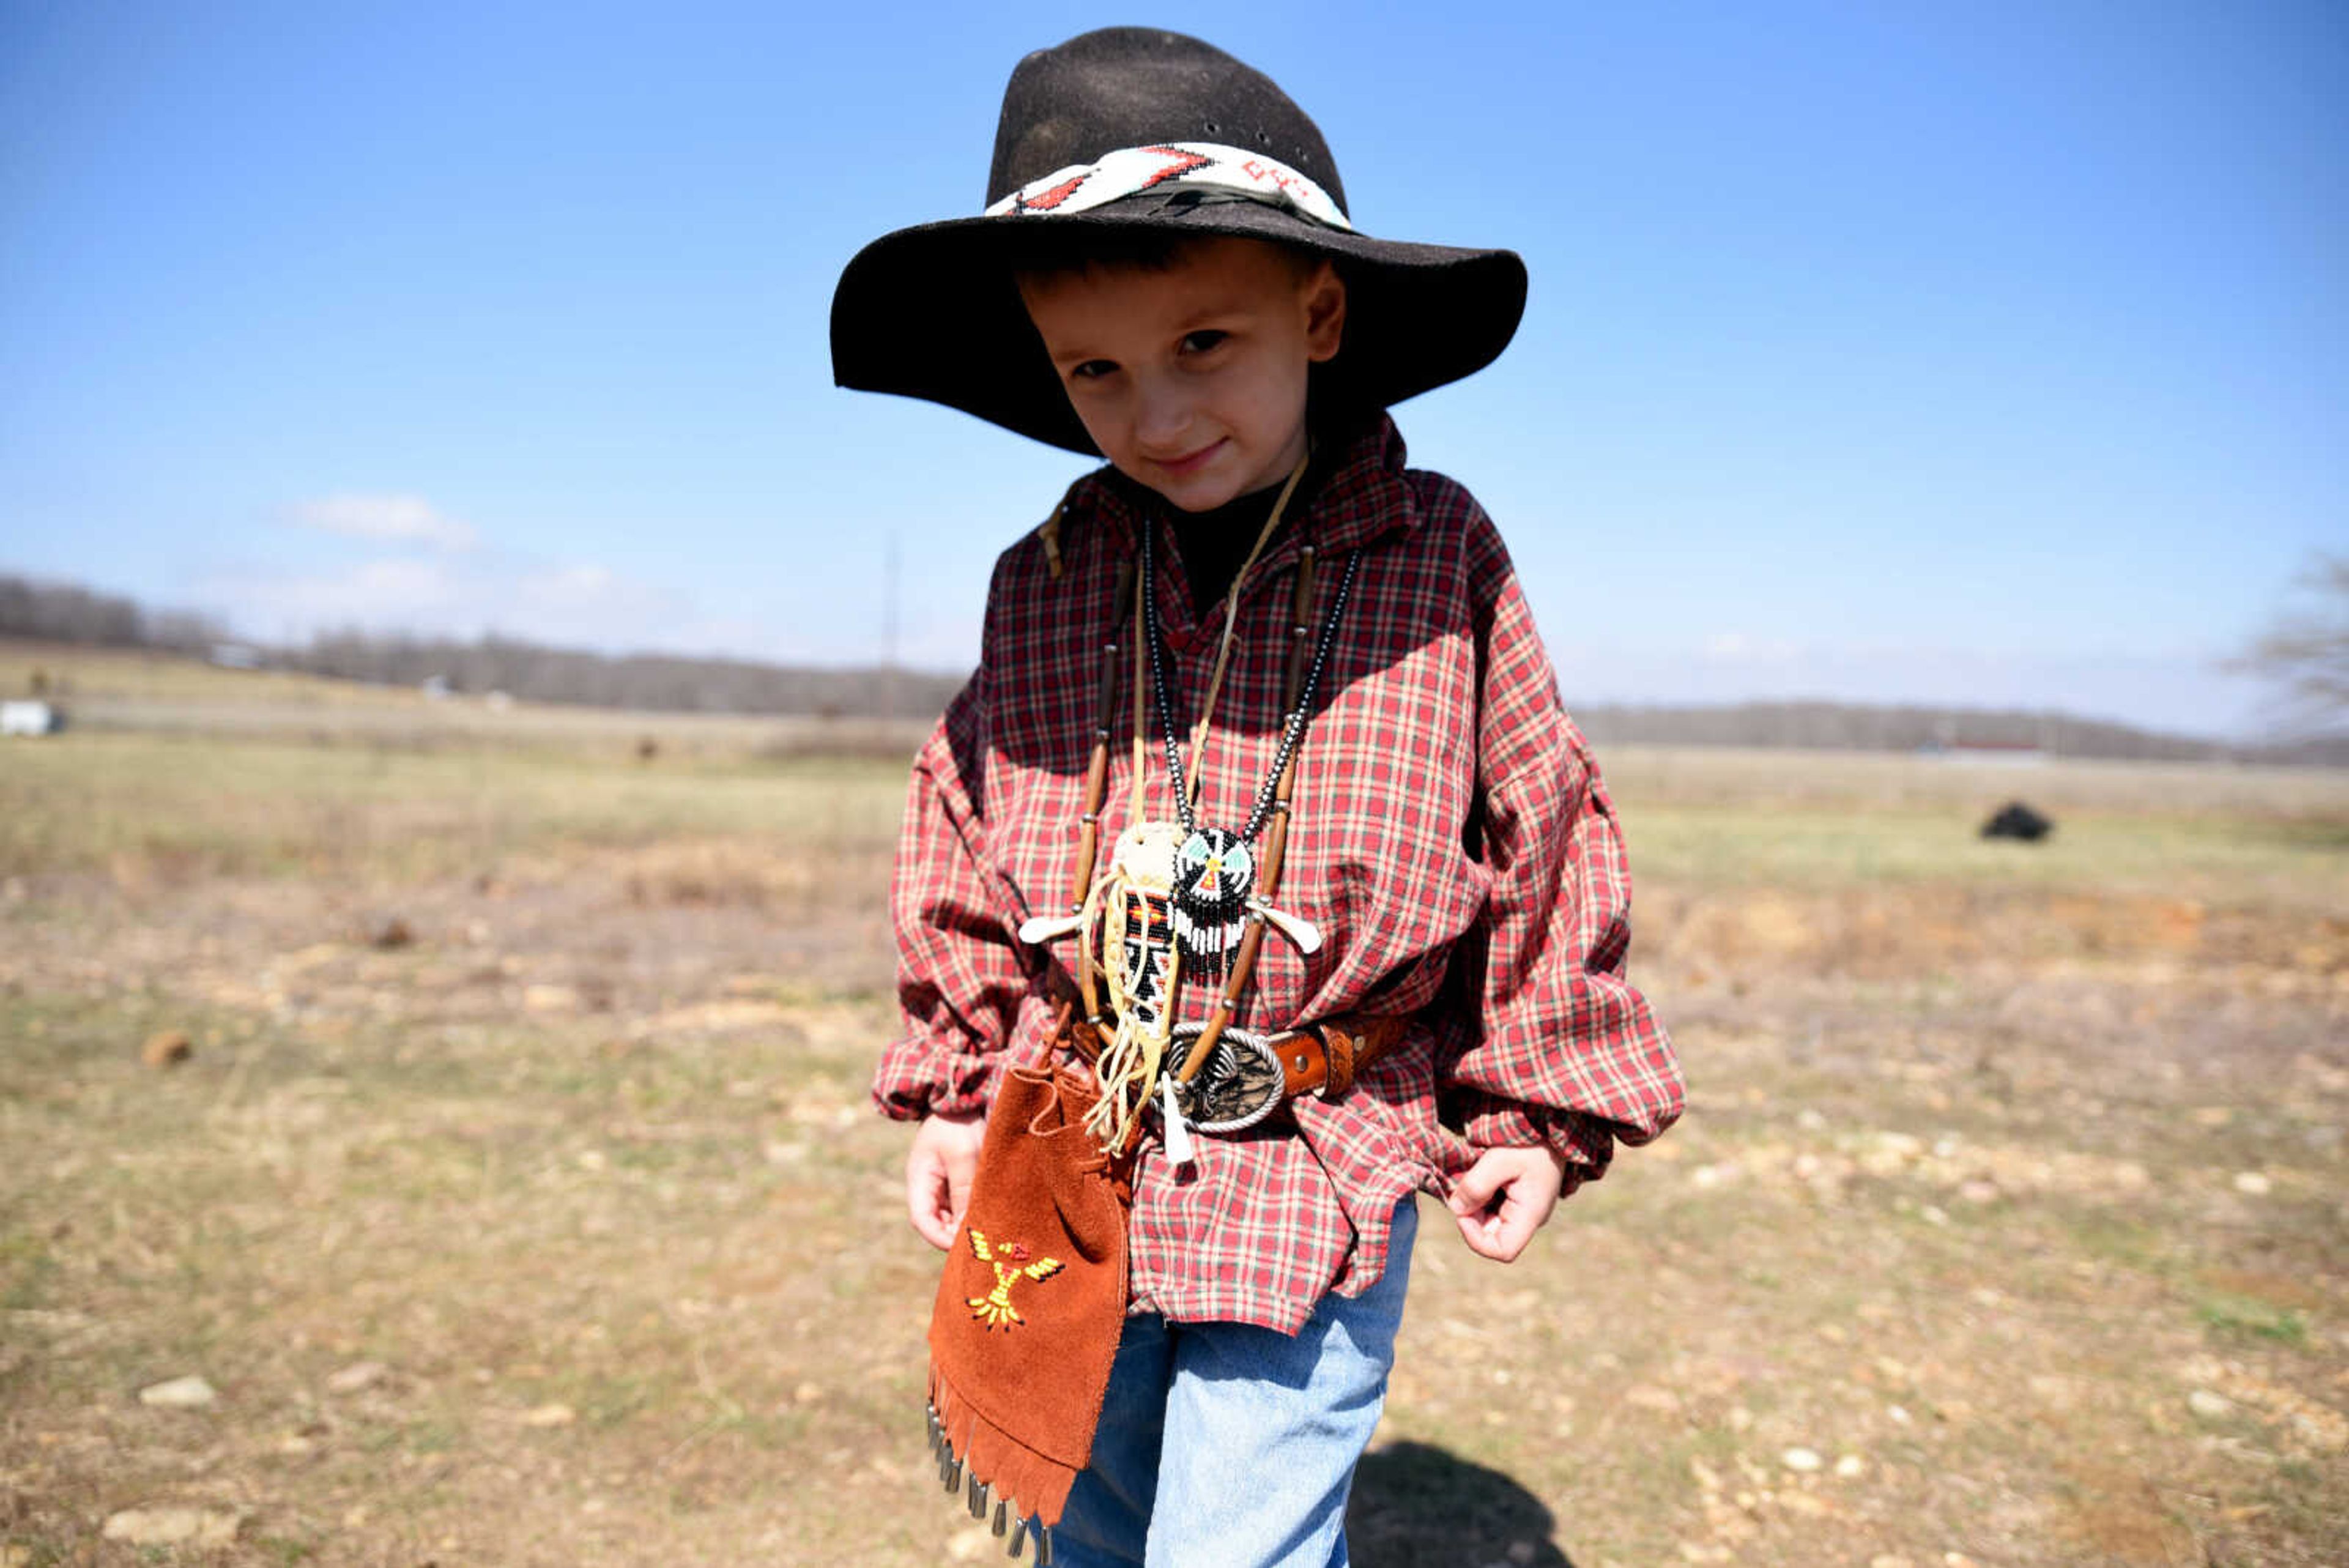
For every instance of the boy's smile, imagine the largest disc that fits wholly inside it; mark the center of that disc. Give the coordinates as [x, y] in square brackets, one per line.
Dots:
[1191, 378]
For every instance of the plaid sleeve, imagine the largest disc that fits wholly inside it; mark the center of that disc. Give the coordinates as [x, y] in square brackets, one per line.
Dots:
[1551, 1044]
[961, 978]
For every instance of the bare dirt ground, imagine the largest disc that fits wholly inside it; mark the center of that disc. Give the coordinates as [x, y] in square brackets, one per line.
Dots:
[517, 1200]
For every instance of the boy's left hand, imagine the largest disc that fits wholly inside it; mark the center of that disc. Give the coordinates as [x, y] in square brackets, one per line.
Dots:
[1501, 1199]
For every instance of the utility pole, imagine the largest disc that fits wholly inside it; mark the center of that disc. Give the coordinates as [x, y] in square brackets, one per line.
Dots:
[889, 626]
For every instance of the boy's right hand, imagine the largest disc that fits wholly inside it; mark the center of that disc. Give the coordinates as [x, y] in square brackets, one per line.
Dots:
[938, 1173]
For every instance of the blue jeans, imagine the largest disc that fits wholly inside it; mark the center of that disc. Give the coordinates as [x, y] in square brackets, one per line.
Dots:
[1224, 1445]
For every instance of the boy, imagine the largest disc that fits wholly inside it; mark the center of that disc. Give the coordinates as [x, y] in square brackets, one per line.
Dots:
[1166, 276]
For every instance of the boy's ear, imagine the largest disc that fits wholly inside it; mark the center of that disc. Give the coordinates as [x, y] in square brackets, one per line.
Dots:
[1324, 298]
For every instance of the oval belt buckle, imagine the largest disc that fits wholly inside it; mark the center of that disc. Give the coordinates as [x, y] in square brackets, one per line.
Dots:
[1238, 1087]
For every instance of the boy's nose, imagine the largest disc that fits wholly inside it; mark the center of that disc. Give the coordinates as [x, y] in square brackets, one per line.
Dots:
[1162, 418]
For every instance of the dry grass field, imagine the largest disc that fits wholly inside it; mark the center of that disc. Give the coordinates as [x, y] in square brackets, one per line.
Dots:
[516, 1200]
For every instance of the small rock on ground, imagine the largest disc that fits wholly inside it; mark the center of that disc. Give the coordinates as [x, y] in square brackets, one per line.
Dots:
[188, 1393]
[359, 1375]
[171, 1527]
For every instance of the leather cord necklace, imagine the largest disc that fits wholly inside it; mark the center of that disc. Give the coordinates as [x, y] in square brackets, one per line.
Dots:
[1180, 896]
[1222, 889]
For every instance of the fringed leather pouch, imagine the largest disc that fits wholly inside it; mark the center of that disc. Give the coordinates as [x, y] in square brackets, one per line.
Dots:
[1030, 1306]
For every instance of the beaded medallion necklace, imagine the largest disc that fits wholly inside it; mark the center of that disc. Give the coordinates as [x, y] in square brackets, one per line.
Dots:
[1180, 897]
[1215, 868]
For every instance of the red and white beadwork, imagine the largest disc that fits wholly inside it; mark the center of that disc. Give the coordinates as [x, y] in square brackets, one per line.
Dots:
[1197, 165]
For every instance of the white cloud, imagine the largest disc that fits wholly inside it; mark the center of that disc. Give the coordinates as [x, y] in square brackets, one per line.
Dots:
[390, 592]
[1736, 648]
[577, 586]
[573, 605]
[392, 519]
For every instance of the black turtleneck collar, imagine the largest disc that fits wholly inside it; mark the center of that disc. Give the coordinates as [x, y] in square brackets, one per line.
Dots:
[1213, 544]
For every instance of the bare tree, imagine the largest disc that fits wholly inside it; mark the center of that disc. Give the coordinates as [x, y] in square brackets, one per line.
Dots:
[2307, 650]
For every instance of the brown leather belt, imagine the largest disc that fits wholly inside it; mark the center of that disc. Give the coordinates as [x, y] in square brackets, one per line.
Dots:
[1319, 1059]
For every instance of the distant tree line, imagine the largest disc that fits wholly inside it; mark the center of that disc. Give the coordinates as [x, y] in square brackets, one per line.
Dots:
[60, 612]
[1857, 727]
[63, 612]
[1849, 727]
[665, 682]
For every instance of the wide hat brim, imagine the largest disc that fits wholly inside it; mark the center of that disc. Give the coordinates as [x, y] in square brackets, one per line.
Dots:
[932, 311]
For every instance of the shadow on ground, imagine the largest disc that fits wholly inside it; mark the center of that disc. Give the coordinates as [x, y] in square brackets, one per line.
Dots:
[1417, 1506]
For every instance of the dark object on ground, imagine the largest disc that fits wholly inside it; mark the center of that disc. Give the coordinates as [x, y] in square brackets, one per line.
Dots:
[2016, 820]
[167, 1048]
[390, 933]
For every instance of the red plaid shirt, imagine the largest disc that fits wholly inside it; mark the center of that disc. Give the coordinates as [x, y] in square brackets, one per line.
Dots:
[1453, 840]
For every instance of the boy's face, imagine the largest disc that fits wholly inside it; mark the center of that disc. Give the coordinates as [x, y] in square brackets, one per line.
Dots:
[1191, 378]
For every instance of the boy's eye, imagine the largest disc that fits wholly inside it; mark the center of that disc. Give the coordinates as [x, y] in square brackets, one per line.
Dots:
[1201, 341]
[1092, 370]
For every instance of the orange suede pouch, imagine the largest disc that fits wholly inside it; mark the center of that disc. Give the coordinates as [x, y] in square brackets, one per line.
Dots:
[1032, 1299]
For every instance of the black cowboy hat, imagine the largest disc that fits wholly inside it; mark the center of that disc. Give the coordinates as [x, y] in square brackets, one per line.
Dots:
[1181, 138]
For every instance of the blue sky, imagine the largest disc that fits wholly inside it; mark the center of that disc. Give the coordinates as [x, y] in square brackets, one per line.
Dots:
[1987, 352]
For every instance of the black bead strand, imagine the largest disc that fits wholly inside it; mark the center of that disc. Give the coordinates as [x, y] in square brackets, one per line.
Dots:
[1292, 730]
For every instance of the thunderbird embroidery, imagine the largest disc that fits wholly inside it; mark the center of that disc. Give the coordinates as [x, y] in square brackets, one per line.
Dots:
[995, 1309]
